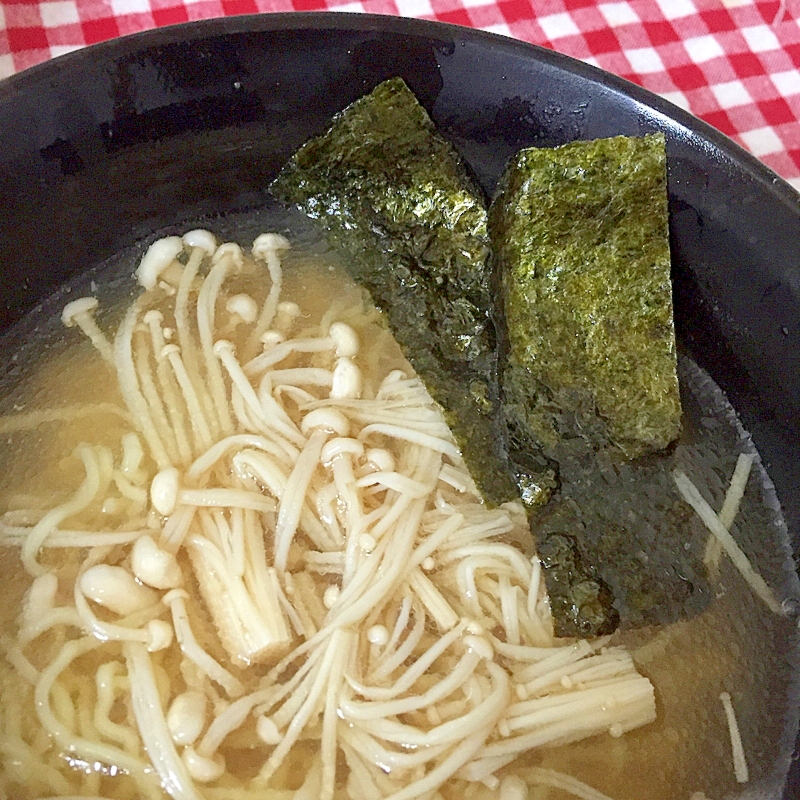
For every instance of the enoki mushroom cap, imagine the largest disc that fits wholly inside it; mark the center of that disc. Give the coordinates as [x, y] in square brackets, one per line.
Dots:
[175, 594]
[288, 309]
[472, 626]
[267, 730]
[203, 770]
[169, 349]
[164, 490]
[395, 376]
[378, 634]
[72, 312]
[229, 250]
[381, 459]
[153, 316]
[186, 717]
[223, 346]
[330, 596]
[158, 257]
[202, 239]
[154, 566]
[327, 419]
[513, 787]
[347, 381]
[268, 243]
[243, 306]
[159, 635]
[116, 589]
[40, 598]
[345, 339]
[272, 338]
[339, 446]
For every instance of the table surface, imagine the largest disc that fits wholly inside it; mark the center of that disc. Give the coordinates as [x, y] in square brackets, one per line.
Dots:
[734, 63]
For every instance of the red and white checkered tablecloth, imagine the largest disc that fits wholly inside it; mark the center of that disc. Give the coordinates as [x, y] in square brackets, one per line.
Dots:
[734, 63]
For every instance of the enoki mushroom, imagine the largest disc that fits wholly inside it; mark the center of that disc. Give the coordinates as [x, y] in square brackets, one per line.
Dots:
[298, 586]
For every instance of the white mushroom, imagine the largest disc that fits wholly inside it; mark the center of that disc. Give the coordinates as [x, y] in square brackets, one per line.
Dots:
[272, 339]
[327, 419]
[153, 317]
[267, 730]
[116, 589]
[242, 306]
[330, 596]
[203, 770]
[269, 243]
[132, 454]
[378, 634]
[158, 257]
[72, 313]
[159, 635]
[79, 312]
[347, 381]
[186, 717]
[114, 505]
[345, 340]
[166, 494]
[202, 239]
[164, 490]
[285, 316]
[395, 376]
[473, 626]
[341, 446]
[229, 250]
[154, 566]
[382, 460]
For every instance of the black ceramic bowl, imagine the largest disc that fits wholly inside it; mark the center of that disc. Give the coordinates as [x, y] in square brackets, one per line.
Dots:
[101, 148]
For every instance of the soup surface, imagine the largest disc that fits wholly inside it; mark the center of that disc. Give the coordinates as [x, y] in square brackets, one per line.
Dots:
[242, 557]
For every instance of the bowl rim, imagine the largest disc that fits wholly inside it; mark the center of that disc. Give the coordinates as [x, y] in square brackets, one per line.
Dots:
[717, 146]
[266, 22]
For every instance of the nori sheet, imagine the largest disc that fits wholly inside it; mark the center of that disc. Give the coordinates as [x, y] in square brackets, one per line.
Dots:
[396, 198]
[582, 239]
[588, 375]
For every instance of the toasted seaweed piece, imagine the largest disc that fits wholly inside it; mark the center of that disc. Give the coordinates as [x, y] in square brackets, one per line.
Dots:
[589, 379]
[581, 603]
[396, 198]
[582, 240]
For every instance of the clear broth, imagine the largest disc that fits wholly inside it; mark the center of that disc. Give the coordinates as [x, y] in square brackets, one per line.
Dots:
[735, 645]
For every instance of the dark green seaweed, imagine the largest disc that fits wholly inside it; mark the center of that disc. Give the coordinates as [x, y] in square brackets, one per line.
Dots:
[395, 196]
[581, 236]
[588, 375]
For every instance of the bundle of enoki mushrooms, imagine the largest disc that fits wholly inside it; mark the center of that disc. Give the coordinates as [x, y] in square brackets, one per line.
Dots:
[282, 583]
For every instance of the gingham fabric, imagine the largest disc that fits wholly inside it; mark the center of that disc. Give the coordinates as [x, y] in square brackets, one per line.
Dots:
[734, 63]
